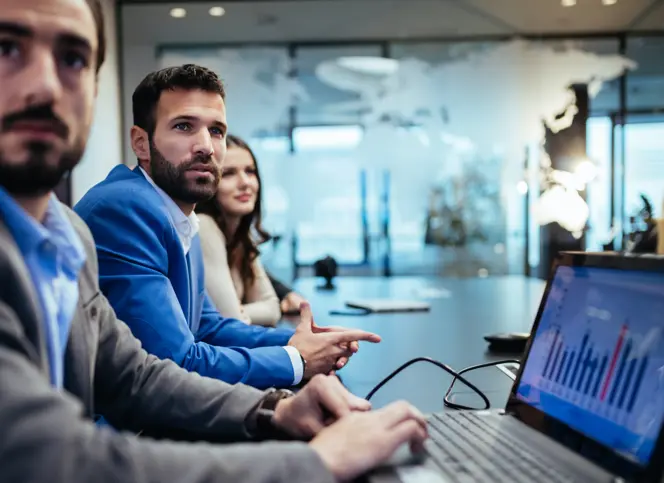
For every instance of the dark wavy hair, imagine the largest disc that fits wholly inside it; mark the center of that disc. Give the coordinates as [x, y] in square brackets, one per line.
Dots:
[250, 233]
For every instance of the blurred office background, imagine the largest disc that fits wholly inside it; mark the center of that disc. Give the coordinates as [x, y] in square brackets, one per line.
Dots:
[465, 138]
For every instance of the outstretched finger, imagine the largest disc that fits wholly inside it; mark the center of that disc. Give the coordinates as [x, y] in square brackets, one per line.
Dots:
[329, 328]
[351, 336]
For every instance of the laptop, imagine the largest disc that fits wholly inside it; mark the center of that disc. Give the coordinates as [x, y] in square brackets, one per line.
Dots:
[382, 306]
[587, 403]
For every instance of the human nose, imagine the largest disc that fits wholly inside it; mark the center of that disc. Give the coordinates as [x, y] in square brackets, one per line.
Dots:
[40, 80]
[243, 179]
[203, 146]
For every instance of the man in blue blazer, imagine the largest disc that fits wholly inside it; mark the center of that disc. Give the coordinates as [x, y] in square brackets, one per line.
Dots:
[150, 260]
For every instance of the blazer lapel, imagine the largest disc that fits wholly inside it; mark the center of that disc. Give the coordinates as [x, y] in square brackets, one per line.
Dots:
[23, 297]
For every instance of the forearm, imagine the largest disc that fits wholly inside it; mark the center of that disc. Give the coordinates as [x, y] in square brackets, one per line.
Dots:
[262, 367]
[44, 426]
[217, 330]
[137, 390]
[70, 449]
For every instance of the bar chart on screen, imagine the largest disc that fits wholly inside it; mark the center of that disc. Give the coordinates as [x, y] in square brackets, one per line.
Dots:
[596, 362]
[600, 369]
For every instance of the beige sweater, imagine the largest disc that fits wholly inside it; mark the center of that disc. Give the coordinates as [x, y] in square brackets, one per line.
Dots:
[257, 304]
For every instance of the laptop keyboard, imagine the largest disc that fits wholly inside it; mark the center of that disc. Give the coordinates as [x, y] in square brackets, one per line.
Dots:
[471, 448]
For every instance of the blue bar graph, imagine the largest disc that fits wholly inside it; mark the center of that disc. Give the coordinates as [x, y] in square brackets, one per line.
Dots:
[575, 371]
[568, 369]
[637, 383]
[553, 345]
[584, 370]
[561, 366]
[620, 373]
[584, 367]
[598, 381]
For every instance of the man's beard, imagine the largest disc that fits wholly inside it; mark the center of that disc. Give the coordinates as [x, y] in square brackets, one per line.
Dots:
[173, 180]
[37, 176]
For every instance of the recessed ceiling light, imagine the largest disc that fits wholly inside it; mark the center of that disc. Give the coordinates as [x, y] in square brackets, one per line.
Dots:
[217, 11]
[568, 3]
[178, 12]
[609, 2]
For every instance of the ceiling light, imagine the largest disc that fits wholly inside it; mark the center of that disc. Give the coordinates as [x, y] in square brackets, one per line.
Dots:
[217, 11]
[178, 12]
[568, 3]
[609, 2]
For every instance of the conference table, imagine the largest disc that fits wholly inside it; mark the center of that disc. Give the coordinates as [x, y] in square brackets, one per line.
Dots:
[462, 312]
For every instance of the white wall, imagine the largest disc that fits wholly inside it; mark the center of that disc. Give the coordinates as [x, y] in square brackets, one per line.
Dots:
[138, 61]
[104, 149]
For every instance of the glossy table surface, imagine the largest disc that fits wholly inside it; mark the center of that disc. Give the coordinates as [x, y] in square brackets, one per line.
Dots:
[462, 312]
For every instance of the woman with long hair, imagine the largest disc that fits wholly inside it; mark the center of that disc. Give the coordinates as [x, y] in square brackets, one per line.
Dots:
[230, 232]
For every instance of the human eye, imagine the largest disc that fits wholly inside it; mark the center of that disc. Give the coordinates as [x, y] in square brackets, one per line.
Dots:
[183, 126]
[9, 48]
[217, 131]
[73, 59]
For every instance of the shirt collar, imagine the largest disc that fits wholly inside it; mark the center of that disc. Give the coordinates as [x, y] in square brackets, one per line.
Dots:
[185, 226]
[56, 228]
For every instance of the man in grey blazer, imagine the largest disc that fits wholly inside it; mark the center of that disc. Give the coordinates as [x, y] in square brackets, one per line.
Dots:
[64, 356]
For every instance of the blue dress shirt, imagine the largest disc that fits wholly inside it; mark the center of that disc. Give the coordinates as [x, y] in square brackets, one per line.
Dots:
[54, 256]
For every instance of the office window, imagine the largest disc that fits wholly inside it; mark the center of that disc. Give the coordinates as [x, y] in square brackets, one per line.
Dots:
[644, 164]
[645, 84]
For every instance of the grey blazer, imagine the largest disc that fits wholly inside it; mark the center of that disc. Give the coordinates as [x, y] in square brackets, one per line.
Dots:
[49, 436]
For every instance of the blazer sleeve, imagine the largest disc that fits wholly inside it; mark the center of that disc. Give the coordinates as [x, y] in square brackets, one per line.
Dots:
[260, 300]
[218, 281]
[133, 263]
[46, 426]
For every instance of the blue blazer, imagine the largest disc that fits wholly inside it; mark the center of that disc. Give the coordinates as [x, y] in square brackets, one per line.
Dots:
[160, 293]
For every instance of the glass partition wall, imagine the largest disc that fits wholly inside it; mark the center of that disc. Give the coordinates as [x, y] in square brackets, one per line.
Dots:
[427, 158]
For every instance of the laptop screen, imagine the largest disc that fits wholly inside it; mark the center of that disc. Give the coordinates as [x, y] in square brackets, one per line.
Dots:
[596, 361]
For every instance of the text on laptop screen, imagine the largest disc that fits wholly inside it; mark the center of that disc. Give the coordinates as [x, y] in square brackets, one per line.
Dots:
[597, 358]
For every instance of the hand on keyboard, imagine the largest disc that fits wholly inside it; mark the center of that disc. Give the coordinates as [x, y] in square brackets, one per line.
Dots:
[359, 442]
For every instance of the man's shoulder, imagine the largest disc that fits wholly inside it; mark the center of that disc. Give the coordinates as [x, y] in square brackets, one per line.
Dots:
[123, 195]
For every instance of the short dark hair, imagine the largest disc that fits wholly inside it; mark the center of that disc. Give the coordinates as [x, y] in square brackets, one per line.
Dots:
[98, 15]
[186, 77]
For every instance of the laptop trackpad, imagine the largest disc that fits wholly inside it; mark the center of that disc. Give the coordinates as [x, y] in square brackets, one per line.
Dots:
[406, 467]
[420, 474]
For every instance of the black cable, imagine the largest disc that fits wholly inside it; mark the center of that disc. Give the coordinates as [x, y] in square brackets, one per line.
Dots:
[445, 367]
[453, 405]
[457, 376]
